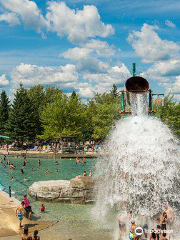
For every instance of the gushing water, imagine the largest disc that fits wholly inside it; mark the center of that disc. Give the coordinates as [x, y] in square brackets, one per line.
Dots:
[141, 169]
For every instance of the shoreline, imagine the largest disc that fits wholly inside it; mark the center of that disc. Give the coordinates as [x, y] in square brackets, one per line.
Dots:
[9, 223]
[49, 155]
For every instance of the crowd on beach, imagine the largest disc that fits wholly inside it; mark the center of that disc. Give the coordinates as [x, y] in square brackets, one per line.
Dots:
[139, 229]
[53, 146]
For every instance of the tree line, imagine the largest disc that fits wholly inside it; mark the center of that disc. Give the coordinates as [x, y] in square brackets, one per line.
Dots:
[47, 113]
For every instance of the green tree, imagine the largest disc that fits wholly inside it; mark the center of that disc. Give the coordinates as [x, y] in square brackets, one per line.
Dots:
[114, 91]
[73, 94]
[169, 113]
[4, 111]
[63, 116]
[38, 100]
[51, 93]
[21, 123]
[106, 113]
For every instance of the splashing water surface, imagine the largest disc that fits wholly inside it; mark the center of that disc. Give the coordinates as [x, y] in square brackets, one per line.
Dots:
[141, 170]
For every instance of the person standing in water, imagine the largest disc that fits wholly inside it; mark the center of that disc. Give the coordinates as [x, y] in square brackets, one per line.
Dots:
[39, 162]
[153, 235]
[84, 160]
[164, 220]
[77, 160]
[19, 213]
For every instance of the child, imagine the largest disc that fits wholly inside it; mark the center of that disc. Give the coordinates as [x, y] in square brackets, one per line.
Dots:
[36, 237]
[42, 208]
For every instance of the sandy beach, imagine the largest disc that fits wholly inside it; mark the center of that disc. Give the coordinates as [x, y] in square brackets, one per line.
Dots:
[9, 223]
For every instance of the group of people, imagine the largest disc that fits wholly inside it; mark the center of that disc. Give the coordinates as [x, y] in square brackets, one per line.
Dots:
[25, 210]
[27, 236]
[79, 161]
[159, 232]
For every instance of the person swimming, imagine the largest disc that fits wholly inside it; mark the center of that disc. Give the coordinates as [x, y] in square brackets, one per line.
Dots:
[48, 171]
[84, 174]
[42, 208]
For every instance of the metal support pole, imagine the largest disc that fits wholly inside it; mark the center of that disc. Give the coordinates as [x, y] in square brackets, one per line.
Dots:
[10, 191]
[134, 69]
[122, 101]
[150, 100]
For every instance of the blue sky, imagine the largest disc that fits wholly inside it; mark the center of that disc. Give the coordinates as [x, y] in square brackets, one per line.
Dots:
[88, 46]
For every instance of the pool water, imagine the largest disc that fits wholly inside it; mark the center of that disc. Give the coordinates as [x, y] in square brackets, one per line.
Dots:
[67, 169]
[74, 220]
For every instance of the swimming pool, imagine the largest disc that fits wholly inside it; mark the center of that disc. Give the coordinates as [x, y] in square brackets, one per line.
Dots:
[67, 169]
[74, 220]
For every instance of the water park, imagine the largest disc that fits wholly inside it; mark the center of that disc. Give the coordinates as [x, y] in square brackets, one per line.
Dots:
[130, 190]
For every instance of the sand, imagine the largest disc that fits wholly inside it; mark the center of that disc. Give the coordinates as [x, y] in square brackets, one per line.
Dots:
[9, 223]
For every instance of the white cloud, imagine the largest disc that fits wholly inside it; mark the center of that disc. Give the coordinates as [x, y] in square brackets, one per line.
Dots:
[30, 75]
[10, 18]
[77, 25]
[150, 47]
[91, 48]
[77, 53]
[164, 68]
[173, 87]
[28, 12]
[100, 47]
[170, 24]
[85, 90]
[115, 75]
[3, 80]
[68, 78]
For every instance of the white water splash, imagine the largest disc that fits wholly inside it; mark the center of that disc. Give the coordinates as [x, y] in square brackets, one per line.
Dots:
[141, 170]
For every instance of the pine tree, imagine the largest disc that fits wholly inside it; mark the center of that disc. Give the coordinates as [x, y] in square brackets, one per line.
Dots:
[73, 94]
[4, 111]
[22, 123]
[114, 91]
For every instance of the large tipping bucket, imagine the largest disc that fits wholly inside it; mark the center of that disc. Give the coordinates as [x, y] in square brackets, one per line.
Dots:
[137, 84]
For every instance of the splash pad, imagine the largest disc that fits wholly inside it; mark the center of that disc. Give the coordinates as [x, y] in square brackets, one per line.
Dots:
[141, 172]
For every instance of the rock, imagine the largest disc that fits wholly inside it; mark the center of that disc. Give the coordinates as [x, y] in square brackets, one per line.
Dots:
[77, 190]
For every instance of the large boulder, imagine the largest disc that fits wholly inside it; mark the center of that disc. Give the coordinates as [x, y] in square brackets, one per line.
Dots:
[77, 190]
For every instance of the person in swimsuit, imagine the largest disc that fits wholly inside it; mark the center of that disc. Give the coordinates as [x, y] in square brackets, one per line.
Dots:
[19, 213]
[170, 214]
[77, 160]
[27, 208]
[26, 235]
[158, 232]
[36, 237]
[164, 237]
[39, 162]
[164, 221]
[132, 234]
[152, 235]
[42, 208]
